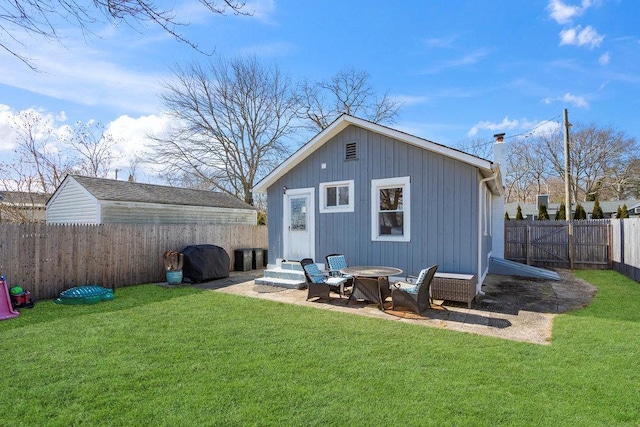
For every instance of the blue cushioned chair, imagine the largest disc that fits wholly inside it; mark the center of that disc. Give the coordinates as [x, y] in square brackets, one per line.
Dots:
[319, 285]
[335, 263]
[416, 295]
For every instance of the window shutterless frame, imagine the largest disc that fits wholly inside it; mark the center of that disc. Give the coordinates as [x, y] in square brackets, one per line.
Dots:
[336, 196]
[391, 209]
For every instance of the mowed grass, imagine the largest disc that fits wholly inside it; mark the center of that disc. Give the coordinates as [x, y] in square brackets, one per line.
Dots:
[185, 357]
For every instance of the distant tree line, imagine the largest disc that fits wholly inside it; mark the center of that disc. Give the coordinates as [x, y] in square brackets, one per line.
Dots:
[604, 165]
[579, 214]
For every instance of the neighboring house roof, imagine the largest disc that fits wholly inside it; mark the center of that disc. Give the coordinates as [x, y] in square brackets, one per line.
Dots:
[126, 191]
[531, 209]
[487, 168]
[24, 198]
[21, 207]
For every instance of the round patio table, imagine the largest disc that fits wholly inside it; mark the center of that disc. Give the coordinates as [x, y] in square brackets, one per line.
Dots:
[365, 287]
[368, 271]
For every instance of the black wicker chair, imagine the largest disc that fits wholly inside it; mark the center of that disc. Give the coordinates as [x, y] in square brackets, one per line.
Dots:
[319, 285]
[417, 296]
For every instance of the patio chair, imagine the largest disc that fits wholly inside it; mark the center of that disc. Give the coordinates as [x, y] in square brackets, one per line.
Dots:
[415, 296]
[335, 263]
[319, 285]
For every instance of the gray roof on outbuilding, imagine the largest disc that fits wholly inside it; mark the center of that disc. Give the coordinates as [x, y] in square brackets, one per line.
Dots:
[126, 191]
[24, 198]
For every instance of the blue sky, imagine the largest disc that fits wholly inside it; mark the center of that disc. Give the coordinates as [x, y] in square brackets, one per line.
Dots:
[463, 68]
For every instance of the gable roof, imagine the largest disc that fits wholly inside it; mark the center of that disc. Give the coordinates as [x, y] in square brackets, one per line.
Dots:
[486, 167]
[125, 191]
[23, 198]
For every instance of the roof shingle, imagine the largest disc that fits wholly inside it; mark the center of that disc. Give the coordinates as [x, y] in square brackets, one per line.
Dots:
[109, 189]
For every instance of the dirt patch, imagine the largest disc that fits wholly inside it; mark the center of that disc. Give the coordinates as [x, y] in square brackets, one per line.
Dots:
[510, 294]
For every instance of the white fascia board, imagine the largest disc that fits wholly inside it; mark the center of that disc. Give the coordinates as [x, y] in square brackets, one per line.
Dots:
[70, 181]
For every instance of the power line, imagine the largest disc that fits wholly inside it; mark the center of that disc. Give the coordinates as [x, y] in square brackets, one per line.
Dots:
[526, 134]
[529, 133]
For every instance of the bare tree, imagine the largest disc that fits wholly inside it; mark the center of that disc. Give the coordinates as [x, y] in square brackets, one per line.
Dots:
[44, 155]
[40, 17]
[625, 180]
[595, 154]
[93, 148]
[38, 164]
[603, 165]
[516, 178]
[478, 147]
[232, 119]
[347, 92]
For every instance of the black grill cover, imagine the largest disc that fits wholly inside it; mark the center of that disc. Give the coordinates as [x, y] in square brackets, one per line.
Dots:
[205, 262]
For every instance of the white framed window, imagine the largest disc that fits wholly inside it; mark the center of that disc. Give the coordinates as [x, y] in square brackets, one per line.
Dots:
[336, 196]
[391, 209]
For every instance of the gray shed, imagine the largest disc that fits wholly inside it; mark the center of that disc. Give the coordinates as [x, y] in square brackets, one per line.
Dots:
[384, 197]
[86, 200]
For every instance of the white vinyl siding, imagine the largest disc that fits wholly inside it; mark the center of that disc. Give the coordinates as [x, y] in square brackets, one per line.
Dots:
[73, 205]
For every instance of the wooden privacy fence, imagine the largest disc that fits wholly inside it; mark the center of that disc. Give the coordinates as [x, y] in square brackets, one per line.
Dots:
[625, 247]
[546, 243]
[47, 259]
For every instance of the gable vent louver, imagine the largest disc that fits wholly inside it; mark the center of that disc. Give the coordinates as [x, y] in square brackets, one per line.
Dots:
[350, 151]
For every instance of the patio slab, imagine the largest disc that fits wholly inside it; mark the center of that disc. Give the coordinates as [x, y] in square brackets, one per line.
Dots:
[511, 308]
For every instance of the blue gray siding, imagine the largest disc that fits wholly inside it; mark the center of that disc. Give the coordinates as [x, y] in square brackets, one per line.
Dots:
[444, 204]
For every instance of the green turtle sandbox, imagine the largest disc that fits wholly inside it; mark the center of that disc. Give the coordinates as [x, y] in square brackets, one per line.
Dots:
[89, 294]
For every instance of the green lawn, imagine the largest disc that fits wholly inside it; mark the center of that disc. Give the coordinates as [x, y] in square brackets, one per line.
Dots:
[184, 357]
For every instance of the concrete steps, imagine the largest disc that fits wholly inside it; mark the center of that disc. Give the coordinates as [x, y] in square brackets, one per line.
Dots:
[286, 274]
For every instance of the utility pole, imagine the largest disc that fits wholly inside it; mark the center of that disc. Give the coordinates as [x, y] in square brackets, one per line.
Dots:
[567, 186]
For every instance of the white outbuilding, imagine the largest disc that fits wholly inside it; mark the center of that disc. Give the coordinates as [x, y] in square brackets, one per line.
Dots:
[87, 200]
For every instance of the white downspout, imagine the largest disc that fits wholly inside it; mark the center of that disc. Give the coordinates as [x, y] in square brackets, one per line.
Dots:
[481, 232]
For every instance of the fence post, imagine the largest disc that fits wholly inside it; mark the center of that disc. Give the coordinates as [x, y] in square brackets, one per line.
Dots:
[527, 249]
[572, 247]
[609, 246]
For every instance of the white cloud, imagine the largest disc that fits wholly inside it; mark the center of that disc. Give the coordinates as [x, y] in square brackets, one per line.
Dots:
[466, 60]
[470, 58]
[132, 135]
[9, 135]
[82, 74]
[568, 98]
[408, 100]
[262, 10]
[524, 127]
[581, 37]
[505, 124]
[440, 42]
[563, 13]
[9, 118]
[604, 58]
[544, 128]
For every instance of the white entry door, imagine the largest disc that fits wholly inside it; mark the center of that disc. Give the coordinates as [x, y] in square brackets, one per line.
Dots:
[299, 224]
